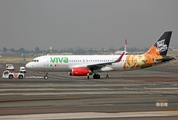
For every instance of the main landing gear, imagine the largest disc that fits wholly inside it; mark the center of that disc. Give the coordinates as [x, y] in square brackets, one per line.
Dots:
[46, 76]
[96, 76]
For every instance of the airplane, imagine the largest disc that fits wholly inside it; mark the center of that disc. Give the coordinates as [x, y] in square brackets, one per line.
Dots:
[82, 65]
[120, 52]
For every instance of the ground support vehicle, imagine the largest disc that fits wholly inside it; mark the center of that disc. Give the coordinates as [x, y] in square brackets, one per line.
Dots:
[11, 75]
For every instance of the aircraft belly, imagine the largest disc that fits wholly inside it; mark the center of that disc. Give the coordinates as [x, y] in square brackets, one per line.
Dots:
[61, 68]
[53, 68]
[117, 66]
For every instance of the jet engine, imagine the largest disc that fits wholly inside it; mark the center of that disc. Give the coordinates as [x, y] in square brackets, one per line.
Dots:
[79, 71]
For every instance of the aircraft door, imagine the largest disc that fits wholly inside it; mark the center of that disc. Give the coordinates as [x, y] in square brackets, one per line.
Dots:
[46, 61]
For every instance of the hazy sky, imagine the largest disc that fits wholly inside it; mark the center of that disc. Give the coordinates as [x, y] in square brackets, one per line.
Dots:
[85, 23]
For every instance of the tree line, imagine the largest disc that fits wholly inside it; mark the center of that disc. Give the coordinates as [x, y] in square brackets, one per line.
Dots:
[37, 50]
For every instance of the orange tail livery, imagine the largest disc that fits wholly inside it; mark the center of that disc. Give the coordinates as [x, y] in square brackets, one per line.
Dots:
[155, 55]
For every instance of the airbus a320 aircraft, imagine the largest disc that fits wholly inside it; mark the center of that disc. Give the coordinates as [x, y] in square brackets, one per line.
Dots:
[81, 65]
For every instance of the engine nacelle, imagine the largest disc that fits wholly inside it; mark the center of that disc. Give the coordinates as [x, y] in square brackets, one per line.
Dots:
[79, 72]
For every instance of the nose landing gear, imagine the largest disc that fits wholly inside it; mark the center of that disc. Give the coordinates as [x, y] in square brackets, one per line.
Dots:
[46, 76]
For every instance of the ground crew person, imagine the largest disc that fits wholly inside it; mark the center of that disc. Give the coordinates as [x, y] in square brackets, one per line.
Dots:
[88, 75]
[107, 76]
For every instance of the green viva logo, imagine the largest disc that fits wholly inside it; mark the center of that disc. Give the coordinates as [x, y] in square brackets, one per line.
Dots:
[59, 59]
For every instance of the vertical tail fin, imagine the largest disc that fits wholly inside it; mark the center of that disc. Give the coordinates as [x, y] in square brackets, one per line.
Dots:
[161, 45]
[125, 45]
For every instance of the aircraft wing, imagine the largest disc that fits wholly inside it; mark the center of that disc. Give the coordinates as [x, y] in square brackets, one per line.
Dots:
[100, 65]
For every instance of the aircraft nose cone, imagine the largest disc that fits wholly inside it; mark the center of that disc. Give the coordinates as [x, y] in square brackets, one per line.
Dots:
[28, 65]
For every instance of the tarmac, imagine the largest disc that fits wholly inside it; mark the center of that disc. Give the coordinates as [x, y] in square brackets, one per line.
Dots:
[140, 94]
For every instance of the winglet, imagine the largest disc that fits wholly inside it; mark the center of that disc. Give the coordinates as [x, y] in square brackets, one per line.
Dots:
[112, 53]
[120, 58]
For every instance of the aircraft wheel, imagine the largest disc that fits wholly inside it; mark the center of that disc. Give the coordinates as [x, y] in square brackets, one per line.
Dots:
[20, 77]
[45, 77]
[11, 76]
[96, 76]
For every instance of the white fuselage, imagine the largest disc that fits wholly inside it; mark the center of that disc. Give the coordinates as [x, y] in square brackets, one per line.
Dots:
[59, 63]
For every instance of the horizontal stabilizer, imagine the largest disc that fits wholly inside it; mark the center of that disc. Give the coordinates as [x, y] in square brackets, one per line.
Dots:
[164, 59]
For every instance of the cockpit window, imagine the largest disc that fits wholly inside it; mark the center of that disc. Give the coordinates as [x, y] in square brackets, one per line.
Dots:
[35, 60]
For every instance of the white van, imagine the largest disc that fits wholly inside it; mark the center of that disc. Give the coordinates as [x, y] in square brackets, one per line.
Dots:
[22, 70]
